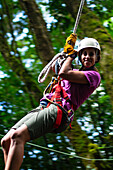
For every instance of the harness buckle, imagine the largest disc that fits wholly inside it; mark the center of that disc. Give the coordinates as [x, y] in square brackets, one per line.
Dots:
[58, 99]
[69, 117]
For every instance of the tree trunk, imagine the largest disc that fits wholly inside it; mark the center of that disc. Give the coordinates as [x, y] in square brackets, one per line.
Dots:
[43, 43]
[16, 65]
[85, 148]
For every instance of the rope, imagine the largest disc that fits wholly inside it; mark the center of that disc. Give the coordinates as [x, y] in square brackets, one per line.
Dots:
[42, 77]
[64, 153]
[68, 154]
[78, 15]
[46, 69]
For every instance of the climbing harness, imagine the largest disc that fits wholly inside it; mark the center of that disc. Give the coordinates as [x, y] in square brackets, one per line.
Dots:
[58, 94]
[42, 77]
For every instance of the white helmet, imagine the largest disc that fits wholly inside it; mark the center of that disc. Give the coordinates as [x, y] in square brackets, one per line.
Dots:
[89, 43]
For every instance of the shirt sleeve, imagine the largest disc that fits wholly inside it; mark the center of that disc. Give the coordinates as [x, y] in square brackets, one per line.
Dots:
[93, 78]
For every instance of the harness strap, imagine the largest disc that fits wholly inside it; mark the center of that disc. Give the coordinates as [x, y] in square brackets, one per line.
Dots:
[57, 98]
[59, 94]
[59, 118]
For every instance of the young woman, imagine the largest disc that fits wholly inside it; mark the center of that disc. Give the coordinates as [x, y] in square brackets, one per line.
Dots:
[77, 86]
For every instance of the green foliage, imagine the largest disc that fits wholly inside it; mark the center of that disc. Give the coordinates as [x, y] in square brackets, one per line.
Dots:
[93, 148]
[94, 116]
[63, 25]
[104, 11]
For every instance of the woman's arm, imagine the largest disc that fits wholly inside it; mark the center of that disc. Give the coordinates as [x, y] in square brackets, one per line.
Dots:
[67, 73]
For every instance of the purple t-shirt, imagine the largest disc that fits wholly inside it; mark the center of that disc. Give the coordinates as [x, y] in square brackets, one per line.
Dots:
[78, 93]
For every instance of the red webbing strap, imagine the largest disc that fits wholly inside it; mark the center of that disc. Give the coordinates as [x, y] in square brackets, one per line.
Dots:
[59, 118]
[64, 94]
[58, 99]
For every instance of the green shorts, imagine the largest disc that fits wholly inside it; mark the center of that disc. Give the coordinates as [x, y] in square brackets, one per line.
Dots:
[40, 122]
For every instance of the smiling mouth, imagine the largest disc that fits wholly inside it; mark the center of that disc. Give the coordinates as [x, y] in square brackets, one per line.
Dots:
[87, 61]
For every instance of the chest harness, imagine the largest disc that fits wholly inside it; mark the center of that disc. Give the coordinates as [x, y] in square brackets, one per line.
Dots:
[59, 94]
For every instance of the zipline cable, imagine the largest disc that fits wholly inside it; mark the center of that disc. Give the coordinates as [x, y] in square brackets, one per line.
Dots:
[78, 15]
[43, 74]
[64, 153]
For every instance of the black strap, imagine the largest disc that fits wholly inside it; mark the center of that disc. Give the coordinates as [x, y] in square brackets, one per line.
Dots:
[56, 67]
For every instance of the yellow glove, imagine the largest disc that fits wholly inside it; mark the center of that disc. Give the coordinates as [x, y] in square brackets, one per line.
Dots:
[70, 43]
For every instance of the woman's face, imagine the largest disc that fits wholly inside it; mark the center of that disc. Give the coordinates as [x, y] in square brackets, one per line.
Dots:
[88, 57]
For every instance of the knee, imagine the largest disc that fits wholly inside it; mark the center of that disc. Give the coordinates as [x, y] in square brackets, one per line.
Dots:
[16, 137]
[4, 142]
[19, 136]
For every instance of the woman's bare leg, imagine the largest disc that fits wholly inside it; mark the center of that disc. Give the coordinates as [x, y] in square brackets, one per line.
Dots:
[14, 157]
[5, 143]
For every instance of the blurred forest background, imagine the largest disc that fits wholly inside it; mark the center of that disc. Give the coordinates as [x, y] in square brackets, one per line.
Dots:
[31, 33]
